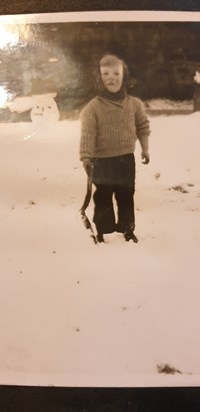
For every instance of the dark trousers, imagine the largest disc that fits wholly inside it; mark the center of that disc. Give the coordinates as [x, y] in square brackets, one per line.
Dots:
[104, 216]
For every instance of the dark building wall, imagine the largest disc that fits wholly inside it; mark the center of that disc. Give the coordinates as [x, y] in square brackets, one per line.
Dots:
[162, 58]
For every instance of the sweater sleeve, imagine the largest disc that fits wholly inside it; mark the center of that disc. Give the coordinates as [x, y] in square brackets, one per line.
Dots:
[142, 126]
[88, 132]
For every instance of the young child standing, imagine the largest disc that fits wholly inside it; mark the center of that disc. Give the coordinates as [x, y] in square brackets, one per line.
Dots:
[110, 125]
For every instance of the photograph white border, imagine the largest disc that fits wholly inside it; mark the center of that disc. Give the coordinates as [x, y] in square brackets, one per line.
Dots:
[102, 16]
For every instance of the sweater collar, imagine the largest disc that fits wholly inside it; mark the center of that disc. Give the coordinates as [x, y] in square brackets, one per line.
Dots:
[120, 95]
[108, 101]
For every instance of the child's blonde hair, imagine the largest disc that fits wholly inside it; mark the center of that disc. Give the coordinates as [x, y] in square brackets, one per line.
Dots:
[111, 60]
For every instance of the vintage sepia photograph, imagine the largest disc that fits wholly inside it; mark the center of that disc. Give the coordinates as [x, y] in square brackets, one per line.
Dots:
[100, 199]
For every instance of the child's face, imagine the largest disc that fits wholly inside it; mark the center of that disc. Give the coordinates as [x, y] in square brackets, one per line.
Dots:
[112, 77]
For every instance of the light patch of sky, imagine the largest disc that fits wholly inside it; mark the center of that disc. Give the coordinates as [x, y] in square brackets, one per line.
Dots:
[5, 96]
[8, 36]
[13, 35]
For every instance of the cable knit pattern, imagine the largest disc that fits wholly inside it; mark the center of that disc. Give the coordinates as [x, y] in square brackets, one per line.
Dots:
[111, 128]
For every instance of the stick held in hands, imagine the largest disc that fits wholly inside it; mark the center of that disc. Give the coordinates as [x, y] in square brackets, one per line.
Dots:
[86, 202]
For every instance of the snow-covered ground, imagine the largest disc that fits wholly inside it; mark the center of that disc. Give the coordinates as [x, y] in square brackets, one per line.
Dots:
[75, 313]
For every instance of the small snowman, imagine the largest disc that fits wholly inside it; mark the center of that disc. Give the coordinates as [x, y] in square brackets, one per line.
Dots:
[44, 107]
[41, 103]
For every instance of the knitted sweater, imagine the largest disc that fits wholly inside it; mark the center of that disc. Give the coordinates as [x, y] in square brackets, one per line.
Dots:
[111, 128]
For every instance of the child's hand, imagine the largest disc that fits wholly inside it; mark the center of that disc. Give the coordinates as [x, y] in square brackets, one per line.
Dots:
[145, 158]
[88, 165]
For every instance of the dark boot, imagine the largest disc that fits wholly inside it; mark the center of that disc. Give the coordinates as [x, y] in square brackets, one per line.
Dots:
[130, 236]
[100, 238]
